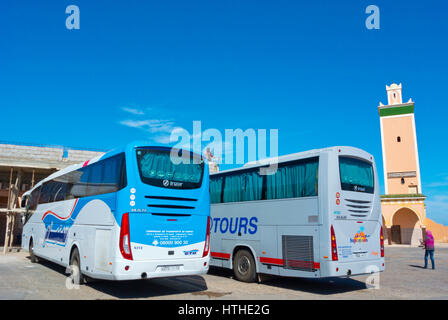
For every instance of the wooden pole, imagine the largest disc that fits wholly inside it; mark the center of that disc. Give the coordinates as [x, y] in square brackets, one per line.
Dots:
[8, 207]
[11, 232]
[15, 191]
[32, 180]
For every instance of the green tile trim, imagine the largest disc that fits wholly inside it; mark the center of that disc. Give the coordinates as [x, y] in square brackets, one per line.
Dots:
[394, 111]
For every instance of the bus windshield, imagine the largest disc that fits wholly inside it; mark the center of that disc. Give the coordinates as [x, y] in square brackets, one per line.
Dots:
[356, 175]
[157, 169]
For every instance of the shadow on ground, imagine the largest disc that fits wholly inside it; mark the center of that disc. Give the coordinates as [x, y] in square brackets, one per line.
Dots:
[149, 288]
[136, 289]
[416, 266]
[326, 286]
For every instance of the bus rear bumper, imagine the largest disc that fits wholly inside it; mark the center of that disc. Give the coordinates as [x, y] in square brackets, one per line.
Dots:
[340, 269]
[159, 268]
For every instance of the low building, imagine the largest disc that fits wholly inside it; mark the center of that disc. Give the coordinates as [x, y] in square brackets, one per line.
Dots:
[26, 165]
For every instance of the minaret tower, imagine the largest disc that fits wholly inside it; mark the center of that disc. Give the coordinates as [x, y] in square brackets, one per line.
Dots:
[399, 143]
[403, 204]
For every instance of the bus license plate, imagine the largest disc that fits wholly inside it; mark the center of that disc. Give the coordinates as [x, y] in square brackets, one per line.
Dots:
[169, 268]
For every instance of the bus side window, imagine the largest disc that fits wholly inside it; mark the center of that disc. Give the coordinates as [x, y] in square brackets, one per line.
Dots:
[68, 192]
[60, 191]
[31, 203]
[45, 194]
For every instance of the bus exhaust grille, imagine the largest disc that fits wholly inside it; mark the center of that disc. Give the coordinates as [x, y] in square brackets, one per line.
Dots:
[298, 253]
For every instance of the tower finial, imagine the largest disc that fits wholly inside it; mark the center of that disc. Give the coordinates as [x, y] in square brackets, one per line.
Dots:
[394, 95]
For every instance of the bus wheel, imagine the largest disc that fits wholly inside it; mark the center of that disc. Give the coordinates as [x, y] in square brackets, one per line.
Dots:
[244, 266]
[33, 257]
[75, 268]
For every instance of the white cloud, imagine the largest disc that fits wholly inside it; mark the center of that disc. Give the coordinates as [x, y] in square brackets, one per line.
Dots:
[134, 111]
[152, 126]
[164, 139]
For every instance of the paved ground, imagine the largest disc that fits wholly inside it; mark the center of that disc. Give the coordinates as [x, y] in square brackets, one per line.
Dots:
[404, 278]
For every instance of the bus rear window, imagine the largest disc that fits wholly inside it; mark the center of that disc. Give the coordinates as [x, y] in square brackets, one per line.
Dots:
[157, 169]
[356, 175]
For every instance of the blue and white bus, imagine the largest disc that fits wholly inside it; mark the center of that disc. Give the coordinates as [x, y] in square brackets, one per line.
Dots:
[317, 215]
[132, 213]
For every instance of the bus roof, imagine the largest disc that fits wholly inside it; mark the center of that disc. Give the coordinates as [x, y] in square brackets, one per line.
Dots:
[295, 156]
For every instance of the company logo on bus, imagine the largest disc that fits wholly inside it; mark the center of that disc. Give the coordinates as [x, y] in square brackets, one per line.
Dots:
[360, 237]
[167, 183]
[191, 252]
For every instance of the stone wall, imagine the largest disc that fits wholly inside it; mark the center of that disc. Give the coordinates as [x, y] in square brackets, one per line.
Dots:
[46, 156]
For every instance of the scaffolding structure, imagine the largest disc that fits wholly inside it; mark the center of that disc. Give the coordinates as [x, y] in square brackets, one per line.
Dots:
[22, 166]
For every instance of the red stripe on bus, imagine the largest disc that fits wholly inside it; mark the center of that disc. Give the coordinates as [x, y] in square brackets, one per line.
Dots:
[291, 263]
[86, 163]
[221, 255]
[271, 261]
[59, 217]
[303, 264]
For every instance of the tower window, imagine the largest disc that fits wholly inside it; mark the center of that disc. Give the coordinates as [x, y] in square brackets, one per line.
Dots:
[402, 180]
[398, 139]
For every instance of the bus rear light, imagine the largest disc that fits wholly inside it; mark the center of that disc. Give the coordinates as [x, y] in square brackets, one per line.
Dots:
[207, 239]
[382, 242]
[334, 250]
[125, 240]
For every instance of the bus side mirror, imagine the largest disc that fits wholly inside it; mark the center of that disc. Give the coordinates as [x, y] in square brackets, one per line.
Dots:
[23, 202]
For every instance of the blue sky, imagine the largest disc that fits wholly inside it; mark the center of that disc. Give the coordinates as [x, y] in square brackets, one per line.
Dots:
[312, 70]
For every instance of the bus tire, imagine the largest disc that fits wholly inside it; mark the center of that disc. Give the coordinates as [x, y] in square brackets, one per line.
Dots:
[244, 266]
[75, 268]
[33, 257]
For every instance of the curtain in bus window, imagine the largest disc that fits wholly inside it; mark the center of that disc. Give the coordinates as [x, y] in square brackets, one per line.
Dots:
[216, 189]
[158, 165]
[356, 172]
[245, 186]
[293, 181]
[254, 186]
